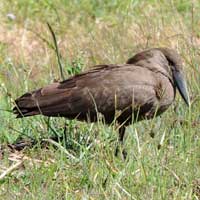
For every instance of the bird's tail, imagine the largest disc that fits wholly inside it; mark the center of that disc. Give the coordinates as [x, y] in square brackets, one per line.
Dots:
[46, 101]
[26, 106]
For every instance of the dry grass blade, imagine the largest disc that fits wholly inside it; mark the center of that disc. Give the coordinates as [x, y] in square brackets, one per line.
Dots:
[61, 148]
[173, 173]
[125, 192]
[11, 168]
[162, 140]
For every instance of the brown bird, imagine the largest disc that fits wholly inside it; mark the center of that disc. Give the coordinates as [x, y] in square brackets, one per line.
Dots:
[141, 89]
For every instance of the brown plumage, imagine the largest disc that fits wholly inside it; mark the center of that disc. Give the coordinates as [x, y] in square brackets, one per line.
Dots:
[142, 88]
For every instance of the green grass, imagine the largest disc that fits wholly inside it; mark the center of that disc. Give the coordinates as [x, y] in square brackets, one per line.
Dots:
[95, 32]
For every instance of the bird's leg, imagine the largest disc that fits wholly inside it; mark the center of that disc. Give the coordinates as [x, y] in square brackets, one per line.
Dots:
[120, 142]
[121, 133]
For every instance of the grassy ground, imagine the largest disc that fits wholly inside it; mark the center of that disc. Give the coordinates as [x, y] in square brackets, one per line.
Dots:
[91, 32]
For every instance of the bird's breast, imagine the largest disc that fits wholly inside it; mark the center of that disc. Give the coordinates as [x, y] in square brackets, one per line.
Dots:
[164, 91]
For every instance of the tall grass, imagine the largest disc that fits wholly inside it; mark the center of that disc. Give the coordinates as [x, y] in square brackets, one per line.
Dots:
[83, 166]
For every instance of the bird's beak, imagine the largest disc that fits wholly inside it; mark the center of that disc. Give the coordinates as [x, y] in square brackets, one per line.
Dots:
[182, 86]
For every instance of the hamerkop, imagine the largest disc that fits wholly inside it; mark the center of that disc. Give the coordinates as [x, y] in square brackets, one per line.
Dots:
[142, 88]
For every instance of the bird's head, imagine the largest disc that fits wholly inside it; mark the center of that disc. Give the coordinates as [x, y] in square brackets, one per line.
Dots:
[176, 67]
[171, 61]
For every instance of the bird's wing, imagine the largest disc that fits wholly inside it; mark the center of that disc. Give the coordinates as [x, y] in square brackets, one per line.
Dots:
[104, 89]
